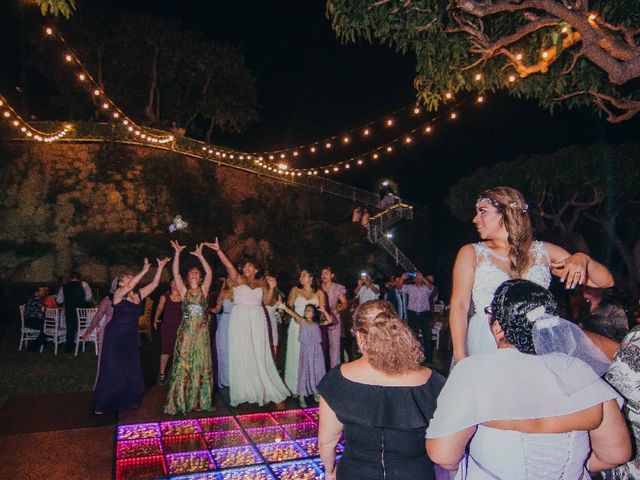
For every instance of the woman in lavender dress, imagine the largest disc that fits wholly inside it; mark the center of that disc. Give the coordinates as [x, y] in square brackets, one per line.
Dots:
[119, 385]
[311, 360]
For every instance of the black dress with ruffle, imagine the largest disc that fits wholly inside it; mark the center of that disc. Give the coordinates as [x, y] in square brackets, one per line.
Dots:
[384, 427]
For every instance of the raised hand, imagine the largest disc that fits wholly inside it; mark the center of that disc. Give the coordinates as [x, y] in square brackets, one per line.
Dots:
[176, 246]
[146, 265]
[162, 261]
[279, 305]
[573, 269]
[215, 246]
[198, 250]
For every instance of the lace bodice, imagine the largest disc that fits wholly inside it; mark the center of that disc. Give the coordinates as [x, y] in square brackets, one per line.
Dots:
[520, 456]
[244, 295]
[491, 272]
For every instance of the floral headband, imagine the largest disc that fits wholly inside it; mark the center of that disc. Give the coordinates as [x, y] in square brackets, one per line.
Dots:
[493, 202]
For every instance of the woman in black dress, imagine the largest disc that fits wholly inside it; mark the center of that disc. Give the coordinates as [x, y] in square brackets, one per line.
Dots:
[381, 403]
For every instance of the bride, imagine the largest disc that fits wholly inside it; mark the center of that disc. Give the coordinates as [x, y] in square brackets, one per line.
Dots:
[507, 250]
[253, 376]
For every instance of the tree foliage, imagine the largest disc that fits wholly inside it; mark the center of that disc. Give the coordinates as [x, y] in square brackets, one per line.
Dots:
[157, 72]
[576, 192]
[559, 52]
[57, 7]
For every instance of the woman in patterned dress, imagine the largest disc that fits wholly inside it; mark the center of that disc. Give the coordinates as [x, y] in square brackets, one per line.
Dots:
[191, 382]
[624, 376]
[507, 251]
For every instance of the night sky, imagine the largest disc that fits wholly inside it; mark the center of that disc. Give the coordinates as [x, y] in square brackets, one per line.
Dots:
[311, 86]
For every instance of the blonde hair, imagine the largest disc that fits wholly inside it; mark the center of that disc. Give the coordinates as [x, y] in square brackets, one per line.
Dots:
[511, 204]
[388, 342]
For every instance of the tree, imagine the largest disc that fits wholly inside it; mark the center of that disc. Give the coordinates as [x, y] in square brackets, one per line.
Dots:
[578, 192]
[560, 52]
[157, 72]
[57, 7]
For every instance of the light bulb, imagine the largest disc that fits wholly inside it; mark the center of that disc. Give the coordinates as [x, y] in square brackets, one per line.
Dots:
[390, 122]
[360, 162]
[96, 92]
[282, 155]
[270, 157]
[478, 77]
[327, 145]
[82, 77]
[68, 58]
[375, 156]
[283, 166]
[105, 106]
[366, 132]
[313, 149]
[346, 140]
[453, 115]
[49, 31]
[416, 110]
[335, 169]
[545, 54]
[427, 130]
[347, 166]
[512, 78]
[389, 149]
[408, 140]
[448, 95]
[295, 154]
[519, 57]
[480, 99]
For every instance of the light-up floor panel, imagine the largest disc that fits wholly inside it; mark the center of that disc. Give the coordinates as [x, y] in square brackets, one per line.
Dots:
[279, 445]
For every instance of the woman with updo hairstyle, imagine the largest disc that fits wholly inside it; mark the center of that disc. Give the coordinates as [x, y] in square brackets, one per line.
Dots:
[534, 408]
[507, 250]
[381, 402]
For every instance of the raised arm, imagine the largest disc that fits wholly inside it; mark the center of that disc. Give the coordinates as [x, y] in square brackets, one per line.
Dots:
[297, 318]
[177, 249]
[232, 273]
[122, 291]
[293, 293]
[577, 269]
[208, 274]
[271, 284]
[328, 319]
[463, 272]
[146, 290]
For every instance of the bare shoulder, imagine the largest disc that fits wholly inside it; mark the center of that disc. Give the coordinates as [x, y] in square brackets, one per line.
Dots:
[556, 252]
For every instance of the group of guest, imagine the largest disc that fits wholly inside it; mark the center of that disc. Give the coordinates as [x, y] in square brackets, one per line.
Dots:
[73, 294]
[525, 398]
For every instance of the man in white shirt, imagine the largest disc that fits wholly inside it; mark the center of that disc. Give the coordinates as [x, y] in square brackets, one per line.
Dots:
[366, 289]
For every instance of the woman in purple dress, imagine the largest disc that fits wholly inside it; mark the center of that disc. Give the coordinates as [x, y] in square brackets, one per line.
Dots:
[170, 307]
[311, 367]
[120, 385]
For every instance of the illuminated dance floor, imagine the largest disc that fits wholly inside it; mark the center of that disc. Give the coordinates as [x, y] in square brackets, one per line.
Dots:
[258, 446]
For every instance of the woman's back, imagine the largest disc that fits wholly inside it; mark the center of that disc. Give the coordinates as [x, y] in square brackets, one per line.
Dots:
[515, 455]
[383, 424]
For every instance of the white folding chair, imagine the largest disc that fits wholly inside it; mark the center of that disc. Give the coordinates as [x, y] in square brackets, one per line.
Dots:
[52, 329]
[85, 315]
[26, 333]
[435, 333]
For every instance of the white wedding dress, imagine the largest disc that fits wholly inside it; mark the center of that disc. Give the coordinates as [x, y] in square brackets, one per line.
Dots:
[253, 376]
[292, 360]
[490, 273]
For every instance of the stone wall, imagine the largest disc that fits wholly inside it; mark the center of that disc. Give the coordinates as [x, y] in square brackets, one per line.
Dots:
[59, 201]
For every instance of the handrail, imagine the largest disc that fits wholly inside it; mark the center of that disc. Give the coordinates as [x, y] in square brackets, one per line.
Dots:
[85, 132]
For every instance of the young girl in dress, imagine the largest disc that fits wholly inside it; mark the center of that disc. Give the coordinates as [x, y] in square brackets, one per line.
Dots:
[311, 361]
[191, 383]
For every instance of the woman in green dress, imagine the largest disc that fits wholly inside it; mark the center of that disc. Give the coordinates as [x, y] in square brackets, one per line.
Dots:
[191, 382]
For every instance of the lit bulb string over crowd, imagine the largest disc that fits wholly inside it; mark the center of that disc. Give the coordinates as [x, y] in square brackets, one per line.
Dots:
[16, 121]
[275, 160]
[107, 106]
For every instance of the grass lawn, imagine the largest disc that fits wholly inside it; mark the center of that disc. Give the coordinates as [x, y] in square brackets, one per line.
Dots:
[23, 372]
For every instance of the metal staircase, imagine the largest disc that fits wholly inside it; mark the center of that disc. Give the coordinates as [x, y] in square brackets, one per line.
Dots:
[384, 220]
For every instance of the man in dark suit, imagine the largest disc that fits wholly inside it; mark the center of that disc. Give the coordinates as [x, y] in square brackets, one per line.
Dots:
[397, 297]
[73, 294]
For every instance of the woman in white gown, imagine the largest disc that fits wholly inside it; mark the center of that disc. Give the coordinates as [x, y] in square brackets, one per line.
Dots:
[253, 376]
[536, 407]
[299, 298]
[507, 250]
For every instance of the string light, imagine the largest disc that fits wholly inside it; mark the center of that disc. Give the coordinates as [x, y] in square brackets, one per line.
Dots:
[16, 121]
[389, 122]
[478, 77]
